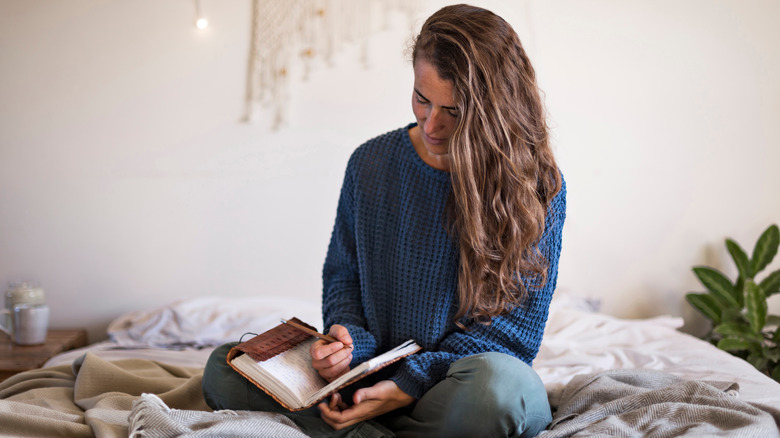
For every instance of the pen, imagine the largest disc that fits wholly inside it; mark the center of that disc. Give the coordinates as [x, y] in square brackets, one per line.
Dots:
[312, 332]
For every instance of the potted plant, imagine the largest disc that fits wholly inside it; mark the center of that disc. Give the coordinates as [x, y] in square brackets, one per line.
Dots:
[741, 324]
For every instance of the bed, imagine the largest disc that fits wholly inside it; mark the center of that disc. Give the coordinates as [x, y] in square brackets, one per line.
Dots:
[604, 376]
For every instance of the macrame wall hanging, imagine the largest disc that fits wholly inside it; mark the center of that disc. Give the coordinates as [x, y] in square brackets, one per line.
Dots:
[296, 33]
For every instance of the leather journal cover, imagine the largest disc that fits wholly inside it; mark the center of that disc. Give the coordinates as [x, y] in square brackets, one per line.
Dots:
[279, 363]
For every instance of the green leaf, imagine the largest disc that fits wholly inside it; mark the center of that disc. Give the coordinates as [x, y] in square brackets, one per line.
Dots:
[738, 330]
[739, 291]
[735, 344]
[732, 315]
[771, 284]
[776, 374]
[755, 302]
[776, 336]
[758, 361]
[740, 259]
[705, 304]
[765, 249]
[772, 353]
[718, 284]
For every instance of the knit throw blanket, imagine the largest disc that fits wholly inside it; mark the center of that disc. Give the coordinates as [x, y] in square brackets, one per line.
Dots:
[151, 418]
[654, 404]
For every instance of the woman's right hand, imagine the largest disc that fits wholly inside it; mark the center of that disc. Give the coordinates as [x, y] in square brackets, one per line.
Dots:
[332, 359]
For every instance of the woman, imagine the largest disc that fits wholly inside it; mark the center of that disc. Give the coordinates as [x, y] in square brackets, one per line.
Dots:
[448, 232]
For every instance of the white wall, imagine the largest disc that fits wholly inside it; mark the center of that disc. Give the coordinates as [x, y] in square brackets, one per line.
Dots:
[127, 179]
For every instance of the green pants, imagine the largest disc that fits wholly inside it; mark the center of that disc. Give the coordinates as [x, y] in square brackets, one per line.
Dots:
[485, 395]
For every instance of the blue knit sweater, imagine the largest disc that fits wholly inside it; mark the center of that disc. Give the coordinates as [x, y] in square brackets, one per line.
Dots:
[391, 270]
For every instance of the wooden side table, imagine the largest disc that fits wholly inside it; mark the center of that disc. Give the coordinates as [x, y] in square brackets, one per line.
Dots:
[17, 358]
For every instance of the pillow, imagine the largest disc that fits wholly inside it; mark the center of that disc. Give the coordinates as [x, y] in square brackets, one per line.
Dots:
[211, 320]
[208, 321]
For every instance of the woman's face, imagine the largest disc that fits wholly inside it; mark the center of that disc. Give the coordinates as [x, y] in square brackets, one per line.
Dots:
[434, 108]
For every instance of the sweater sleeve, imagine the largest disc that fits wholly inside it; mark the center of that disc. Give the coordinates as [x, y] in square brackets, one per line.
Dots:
[341, 299]
[518, 333]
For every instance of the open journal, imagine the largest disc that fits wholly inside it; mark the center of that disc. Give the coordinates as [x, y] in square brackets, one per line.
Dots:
[278, 362]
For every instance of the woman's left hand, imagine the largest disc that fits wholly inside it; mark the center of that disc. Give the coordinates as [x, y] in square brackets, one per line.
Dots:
[370, 402]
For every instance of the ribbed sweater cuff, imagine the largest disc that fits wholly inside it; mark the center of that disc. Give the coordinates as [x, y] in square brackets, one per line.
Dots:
[364, 343]
[409, 385]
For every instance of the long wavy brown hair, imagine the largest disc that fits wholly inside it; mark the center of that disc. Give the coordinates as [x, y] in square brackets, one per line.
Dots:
[503, 171]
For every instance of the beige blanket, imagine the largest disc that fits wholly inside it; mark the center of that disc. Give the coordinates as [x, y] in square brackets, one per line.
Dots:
[93, 397]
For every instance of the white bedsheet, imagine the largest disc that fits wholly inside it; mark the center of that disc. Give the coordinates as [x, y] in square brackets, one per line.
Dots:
[577, 342]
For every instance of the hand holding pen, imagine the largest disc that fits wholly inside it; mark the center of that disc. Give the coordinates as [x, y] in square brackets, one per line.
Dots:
[332, 358]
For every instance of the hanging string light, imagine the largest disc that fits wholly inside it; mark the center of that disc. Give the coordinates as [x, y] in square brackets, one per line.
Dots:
[200, 21]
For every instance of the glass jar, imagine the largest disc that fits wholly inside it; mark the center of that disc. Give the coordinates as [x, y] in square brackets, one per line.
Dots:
[24, 293]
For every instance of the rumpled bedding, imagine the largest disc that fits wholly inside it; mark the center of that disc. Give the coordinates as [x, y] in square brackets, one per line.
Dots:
[651, 403]
[96, 396]
[152, 418]
[206, 321]
[93, 397]
[131, 397]
[579, 343]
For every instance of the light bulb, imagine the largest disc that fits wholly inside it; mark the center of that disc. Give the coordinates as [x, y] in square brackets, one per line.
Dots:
[202, 23]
